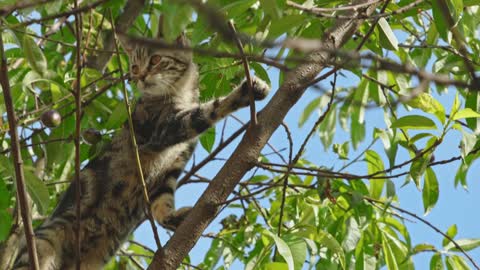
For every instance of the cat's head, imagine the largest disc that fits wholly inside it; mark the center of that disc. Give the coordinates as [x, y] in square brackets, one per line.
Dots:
[157, 71]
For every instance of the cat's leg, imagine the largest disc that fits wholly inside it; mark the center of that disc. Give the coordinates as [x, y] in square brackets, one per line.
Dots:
[46, 253]
[163, 202]
[191, 123]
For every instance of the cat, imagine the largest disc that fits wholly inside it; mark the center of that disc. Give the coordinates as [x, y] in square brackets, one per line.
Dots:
[167, 121]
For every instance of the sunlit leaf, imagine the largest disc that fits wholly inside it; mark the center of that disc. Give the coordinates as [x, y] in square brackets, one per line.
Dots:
[207, 139]
[430, 192]
[388, 39]
[413, 122]
[34, 55]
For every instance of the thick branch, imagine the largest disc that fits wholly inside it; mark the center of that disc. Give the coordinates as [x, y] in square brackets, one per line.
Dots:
[249, 148]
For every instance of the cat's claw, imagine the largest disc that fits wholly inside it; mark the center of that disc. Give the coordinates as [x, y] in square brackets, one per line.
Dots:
[260, 88]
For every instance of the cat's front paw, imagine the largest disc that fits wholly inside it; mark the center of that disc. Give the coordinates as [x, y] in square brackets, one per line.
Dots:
[260, 88]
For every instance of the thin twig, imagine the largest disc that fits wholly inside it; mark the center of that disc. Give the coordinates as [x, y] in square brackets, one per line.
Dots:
[253, 113]
[459, 41]
[426, 222]
[5, 11]
[75, 10]
[17, 157]
[76, 139]
[135, 148]
[372, 27]
[217, 150]
[285, 183]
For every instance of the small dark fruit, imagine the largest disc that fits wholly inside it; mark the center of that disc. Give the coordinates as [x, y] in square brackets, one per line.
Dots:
[51, 118]
[92, 136]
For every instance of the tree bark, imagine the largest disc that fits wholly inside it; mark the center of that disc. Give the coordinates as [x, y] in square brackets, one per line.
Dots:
[247, 152]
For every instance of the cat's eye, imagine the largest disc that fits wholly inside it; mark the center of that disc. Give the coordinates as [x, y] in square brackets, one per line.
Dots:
[135, 69]
[155, 59]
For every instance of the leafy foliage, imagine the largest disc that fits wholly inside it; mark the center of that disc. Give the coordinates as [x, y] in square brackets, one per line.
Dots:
[320, 218]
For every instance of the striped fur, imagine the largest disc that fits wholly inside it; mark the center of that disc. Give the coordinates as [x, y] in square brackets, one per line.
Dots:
[167, 120]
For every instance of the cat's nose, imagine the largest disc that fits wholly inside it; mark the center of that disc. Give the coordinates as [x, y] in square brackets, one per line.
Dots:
[142, 77]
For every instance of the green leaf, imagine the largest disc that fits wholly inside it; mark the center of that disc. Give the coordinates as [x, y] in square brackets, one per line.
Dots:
[436, 262]
[176, 18]
[439, 21]
[258, 178]
[467, 144]
[374, 165]
[5, 196]
[5, 224]
[466, 113]
[465, 244]
[341, 150]
[414, 122]
[37, 190]
[298, 248]
[388, 40]
[207, 140]
[285, 24]
[428, 104]
[327, 240]
[327, 128]
[388, 254]
[308, 111]
[235, 8]
[117, 117]
[260, 72]
[451, 232]
[214, 254]
[418, 167]
[455, 263]
[34, 55]
[472, 101]
[357, 132]
[272, 8]
[422, 248]
[282, 249]
[353, 236]
[430, 191]
[276, 266]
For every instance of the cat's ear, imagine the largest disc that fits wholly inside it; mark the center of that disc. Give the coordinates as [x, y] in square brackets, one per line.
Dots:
[125, 42]
[182, 40]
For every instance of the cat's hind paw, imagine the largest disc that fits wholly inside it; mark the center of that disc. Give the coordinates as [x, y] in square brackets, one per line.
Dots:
[174, 220]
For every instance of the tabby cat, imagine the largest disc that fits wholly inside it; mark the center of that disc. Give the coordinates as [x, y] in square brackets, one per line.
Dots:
[167, 121]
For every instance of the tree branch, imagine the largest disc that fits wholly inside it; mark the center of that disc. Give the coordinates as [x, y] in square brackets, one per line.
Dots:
[17, 157]
[247, 152]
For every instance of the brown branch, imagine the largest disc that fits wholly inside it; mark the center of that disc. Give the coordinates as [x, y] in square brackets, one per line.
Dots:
[322, 12]
[247, 152]
[78, 119]
[17, 157]
[344, 8]
[6, 10]
[75, 10]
